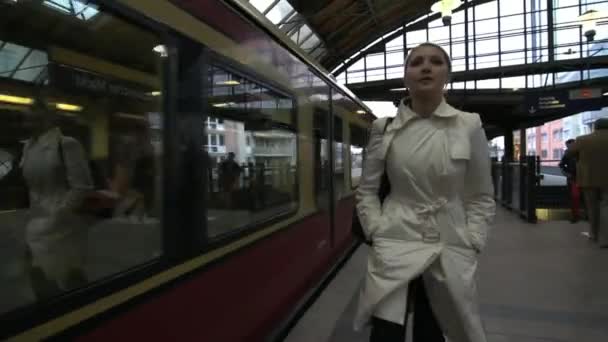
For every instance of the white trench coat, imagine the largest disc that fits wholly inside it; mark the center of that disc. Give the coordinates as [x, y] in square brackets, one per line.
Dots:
[56, 236]
[439, 171]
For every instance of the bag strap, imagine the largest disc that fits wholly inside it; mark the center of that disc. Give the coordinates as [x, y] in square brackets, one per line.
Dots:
[62, 160]
[60, 151]
[388, 122]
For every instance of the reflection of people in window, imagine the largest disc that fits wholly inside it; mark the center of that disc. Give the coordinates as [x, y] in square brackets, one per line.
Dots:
[134, 177]
[58, 178]
[229, 178]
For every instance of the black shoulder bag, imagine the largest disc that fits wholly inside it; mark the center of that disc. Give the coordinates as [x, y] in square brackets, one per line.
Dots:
[383, 191]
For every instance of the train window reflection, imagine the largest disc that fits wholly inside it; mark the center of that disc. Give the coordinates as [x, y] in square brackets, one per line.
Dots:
[81, 150]
[321, 162]
[357, 144]
[339, 179]
[252, 153]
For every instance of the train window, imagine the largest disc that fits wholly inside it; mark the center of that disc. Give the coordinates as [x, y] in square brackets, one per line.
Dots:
[80, 148]
[339, 189]
[257, 143]
[321, 158]
[357, 144]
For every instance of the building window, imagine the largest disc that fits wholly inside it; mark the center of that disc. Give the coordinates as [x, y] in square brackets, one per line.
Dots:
[357, 144]
[557, 153]
[557, 134]
[262, 128]
[214, 123]
[543, 154]
[545, 137]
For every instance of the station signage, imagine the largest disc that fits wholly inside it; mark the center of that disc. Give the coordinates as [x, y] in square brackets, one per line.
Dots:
[570, 101]
[78, 80]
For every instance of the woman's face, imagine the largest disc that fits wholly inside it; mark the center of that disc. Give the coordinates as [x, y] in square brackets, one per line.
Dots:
[427, 71]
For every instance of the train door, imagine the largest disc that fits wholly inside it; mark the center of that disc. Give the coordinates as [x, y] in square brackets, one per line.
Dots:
[322, 166]
[339, 191]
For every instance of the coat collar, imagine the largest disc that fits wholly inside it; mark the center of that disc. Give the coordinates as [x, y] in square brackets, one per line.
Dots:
[50, 137]
[405, 114]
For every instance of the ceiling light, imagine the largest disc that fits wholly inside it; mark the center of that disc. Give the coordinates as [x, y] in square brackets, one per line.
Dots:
[16, 99]
[515, 89]
[360, 111]
[224, 104]
[230, 82]
[589, 21]
[155, 93]
[446, 7]
[161, 50]
[68, 107]
[399, 89]
[606, 94]
[130, 116]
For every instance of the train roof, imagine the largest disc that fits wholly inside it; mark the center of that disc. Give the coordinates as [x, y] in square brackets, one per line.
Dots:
[246, 8]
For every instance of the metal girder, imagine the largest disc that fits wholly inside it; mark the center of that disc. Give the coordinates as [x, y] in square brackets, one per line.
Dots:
[370, 7]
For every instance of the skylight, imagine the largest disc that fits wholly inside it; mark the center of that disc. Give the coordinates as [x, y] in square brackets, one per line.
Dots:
[22, 63]
[292, 24]
[80, 9]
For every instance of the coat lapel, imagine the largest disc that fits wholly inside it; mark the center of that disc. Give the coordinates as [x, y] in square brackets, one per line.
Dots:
[404, 116]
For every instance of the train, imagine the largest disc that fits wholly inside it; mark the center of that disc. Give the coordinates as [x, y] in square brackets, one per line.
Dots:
[228, 158]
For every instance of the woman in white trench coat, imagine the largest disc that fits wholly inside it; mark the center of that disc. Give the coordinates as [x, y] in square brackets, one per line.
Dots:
[434, 222]
[57, 174]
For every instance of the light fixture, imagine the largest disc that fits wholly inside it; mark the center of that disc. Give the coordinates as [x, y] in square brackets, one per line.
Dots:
[130, 116]
[68, 107]
[606, 94]
[515, 89]
[16, 99]
[230, 82]
[589, 21]
[360, 111]
[161, 50]
[446, 7]
[155, 93]
[398, 89]
[223, 104]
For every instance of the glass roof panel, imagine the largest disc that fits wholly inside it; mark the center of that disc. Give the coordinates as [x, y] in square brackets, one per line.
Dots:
[261, 5]
[10, 57]
[80, 9]
[279, 11]
[32, 66]
[22, 63]
[302, 33]
[310, 42]
[29, 74]
[289, 21]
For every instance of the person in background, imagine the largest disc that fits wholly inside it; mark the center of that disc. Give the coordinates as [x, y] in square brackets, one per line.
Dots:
[427, 234]
[568, 167]
[229, 178]
[592, 176]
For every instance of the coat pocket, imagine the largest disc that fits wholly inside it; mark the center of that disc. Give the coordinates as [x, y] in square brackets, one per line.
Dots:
[460, 148]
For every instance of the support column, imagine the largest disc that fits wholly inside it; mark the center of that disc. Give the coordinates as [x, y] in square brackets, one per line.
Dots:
[523, 144]
[509, 144]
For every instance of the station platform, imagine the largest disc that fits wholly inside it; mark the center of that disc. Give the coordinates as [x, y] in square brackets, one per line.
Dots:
[543, 282]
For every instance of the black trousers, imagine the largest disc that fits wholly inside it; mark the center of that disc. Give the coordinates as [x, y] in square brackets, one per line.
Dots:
[426, 328]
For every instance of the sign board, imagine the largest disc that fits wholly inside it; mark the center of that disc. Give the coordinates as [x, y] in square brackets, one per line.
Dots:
[78, 80]
[571, 101]
[585, 93]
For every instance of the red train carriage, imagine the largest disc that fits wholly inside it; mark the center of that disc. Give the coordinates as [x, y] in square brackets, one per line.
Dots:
[226, 162]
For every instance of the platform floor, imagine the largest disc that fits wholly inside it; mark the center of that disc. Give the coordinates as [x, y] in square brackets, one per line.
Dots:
[537, 283]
